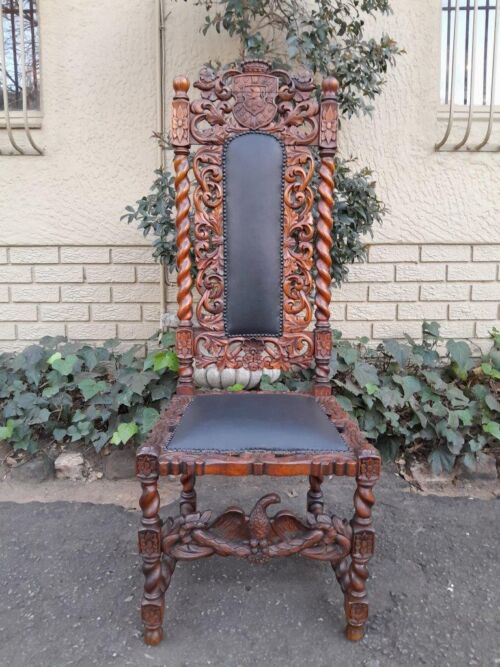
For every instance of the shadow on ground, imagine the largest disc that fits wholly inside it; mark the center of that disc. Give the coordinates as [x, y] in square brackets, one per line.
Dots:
[70, 583]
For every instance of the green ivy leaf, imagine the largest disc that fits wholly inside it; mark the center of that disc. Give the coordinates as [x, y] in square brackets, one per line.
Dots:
[162, 360]
[54, 357]
[492, 402]
[59, 434]
[149, 418]
[51, 391]
[441, 460]
[411, 385]
[493, 428]
[7, 431]
[236, 387]
[469, 461]
[476, 444]
[344, 403]
[490, 371]
[90, 388]
[398, 352]
[365, 374]
[460, 353]
[124, 432]
[65, 365]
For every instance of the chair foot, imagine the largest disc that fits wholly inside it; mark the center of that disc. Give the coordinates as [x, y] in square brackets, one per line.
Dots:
[354, 633]
[153, 637]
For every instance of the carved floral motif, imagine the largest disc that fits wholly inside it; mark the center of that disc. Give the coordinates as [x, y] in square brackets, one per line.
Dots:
[184, 343]
[179, 127]
[328, 125]
[149, 542]
[146, 465]
[369, 468]
[323, 344]
[364, 544]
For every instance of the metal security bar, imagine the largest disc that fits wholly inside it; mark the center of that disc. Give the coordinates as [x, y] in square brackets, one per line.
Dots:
[19, 74]
[470, 72]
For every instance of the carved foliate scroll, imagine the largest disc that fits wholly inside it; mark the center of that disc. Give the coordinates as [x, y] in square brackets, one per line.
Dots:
[296, 346]
[252, 97]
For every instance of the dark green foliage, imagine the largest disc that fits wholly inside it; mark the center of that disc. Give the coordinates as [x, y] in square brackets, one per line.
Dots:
[91, 395]
[408, 399]
[154, 215]
[326, 36]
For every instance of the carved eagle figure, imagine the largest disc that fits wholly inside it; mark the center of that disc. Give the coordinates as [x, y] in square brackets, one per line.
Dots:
[235, 525]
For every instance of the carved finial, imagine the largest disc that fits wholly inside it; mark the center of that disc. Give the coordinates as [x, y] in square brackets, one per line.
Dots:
[181, 86]
[255, 67]
[330, 86]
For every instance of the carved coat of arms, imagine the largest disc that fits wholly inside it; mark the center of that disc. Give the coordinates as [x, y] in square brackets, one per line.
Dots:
[255, 96]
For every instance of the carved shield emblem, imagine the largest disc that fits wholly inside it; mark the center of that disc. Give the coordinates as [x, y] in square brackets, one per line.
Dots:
[255, 104]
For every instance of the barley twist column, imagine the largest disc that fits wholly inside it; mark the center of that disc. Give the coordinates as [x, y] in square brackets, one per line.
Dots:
[327, 149]
[153, 599]
[363, 543]
[180, 138]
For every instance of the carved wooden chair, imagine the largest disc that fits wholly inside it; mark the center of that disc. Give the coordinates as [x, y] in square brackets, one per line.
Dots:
[255, 243]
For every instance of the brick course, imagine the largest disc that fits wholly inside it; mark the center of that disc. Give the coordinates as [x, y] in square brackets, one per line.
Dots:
[93, 293]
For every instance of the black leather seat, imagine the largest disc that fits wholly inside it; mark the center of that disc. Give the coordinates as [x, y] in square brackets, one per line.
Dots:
[272, 422]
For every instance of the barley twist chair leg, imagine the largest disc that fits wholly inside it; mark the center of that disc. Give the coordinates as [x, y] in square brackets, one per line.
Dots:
[188, 494]
[155, 583]
[315, 502]
[363, 540]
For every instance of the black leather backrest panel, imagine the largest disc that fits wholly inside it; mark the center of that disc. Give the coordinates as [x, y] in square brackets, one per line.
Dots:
[253, 222]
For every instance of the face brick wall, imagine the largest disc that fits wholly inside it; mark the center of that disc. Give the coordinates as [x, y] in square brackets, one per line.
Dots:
[94, 293]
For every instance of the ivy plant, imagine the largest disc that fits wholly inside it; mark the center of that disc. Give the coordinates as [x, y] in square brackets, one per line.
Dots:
[410, 400]
[76, 393]
[328, 37]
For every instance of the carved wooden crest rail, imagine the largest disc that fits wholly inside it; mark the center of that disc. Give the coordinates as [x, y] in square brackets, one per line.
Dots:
[257, 99]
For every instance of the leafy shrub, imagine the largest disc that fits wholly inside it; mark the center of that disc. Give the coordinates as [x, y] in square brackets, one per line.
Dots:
[406, 397]
[83, 394]
[328, 37]
[409, 399]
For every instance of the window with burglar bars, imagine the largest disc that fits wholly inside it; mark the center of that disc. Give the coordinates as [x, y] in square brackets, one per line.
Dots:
[20, 57]
[480, 88]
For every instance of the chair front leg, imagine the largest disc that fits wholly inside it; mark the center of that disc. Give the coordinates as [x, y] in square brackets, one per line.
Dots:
[363, 542]
[155, 584]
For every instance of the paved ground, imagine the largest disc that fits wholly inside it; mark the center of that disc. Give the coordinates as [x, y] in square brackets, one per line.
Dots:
[70, 583]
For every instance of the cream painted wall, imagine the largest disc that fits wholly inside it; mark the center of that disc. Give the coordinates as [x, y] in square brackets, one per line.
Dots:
[436, 250]
[99, 99]
[99, 104]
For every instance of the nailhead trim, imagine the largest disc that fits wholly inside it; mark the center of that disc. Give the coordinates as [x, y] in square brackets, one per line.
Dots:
[224, 222]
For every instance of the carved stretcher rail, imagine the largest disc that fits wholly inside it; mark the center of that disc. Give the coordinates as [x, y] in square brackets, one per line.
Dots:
[255, 536]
